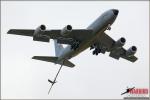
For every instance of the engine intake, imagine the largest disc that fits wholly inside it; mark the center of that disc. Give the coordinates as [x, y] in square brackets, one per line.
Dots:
[37, 36]
[66, 30]
[42, 27]
[119, 43]
[131, 51]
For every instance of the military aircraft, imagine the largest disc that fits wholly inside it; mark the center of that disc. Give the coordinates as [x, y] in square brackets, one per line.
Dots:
[78, 40]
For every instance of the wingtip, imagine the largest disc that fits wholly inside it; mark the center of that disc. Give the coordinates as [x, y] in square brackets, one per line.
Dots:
[73, 66]
[34, 57]
[9, 31]
[134, 60]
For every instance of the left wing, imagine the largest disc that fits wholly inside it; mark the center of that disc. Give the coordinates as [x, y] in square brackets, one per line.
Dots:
[106, 43]
[24, 32]
[75, 34]
[64, 36]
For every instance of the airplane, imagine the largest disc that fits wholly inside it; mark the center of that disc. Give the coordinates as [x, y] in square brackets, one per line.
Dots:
[78, 40]
[127, 90]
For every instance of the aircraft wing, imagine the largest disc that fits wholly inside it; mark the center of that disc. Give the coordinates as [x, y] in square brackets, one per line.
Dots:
[25, 32]
[45, 35]
[106, 43]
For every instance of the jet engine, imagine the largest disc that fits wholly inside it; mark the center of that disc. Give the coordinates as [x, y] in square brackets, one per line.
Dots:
[66, 30]
[37, 36]
[119, 43]
[131, 51]
[39, 30]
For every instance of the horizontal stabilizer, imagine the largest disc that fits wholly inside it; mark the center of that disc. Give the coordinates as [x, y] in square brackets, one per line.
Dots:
[46, 58]
[54, 60]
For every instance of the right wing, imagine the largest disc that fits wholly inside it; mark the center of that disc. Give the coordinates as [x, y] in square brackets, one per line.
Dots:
[106, 43]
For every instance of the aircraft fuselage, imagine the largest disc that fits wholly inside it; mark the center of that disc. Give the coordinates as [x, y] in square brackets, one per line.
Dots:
[98, 27]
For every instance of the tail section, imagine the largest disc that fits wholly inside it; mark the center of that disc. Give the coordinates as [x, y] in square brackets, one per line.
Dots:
[54, 60]
[58, 51]
[58, 48]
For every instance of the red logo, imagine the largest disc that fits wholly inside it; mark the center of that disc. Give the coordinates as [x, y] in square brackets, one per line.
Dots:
[139, 91]
[133, 90]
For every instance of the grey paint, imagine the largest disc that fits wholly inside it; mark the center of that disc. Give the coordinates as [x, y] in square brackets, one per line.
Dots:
[98, 27]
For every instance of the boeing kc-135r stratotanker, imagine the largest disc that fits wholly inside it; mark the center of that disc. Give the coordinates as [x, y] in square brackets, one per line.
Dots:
[78, 40]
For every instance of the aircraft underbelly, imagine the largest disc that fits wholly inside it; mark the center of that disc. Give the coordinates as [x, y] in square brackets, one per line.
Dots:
[69, 53]
[88, 43]
[83, 46]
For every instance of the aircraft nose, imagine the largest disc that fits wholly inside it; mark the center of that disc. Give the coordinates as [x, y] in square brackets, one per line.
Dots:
[115, 11]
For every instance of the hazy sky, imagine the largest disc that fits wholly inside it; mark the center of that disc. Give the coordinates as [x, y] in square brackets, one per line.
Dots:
[99, 77]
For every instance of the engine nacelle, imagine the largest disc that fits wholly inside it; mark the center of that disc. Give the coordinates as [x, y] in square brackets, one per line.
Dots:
[66, 30]
[39, 30]
[37, 36]
[119, 43]
[131, 51]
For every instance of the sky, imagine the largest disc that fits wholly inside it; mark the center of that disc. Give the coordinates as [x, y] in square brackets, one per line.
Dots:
[93, 77]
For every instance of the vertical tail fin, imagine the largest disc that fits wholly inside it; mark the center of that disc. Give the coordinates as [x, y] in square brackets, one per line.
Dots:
[58, 48]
